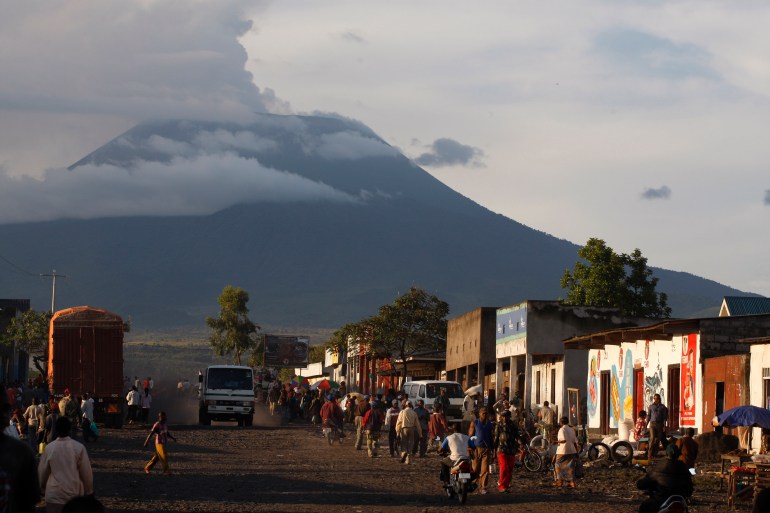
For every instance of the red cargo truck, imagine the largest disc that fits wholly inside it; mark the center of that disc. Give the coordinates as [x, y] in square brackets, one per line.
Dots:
[85, 355]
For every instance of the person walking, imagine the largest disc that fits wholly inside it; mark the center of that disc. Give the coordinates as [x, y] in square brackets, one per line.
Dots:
[64, 470]
[423, 415]
[361, 408]
[407, 427]
[34, 418]
[162, 434]
[504, 441]
[391, 417]
[133, 400]
[437, 426]
[146, 402]
[481, 429]
[566, 454]
[546, 417]
[657, 417]
[372, 425]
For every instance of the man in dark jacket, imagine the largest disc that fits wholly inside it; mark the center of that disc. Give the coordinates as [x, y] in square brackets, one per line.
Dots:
[667, 478]
[424, 417]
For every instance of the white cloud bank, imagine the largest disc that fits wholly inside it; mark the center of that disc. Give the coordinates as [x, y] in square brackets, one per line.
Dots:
[197, 185]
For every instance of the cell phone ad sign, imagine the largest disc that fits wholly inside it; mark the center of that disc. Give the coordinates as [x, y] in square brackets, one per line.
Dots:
[688, 368]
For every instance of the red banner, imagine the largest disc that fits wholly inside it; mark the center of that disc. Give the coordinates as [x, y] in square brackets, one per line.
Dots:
[688, 372]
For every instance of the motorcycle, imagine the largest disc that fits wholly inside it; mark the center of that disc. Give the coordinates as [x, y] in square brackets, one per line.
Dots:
[460, 480]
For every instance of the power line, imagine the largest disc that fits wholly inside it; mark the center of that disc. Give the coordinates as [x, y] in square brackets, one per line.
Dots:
[19, 269]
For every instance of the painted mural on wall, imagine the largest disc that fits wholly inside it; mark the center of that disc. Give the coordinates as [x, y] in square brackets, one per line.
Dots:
[653, 384]
[688, 390]
[593, 386]
[621, 388]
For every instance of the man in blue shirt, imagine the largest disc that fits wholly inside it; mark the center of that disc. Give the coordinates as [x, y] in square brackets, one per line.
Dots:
[657, 416]
[482, 454]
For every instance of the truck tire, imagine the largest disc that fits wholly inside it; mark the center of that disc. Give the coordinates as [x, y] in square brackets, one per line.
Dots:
[622, 452]
[598, 451]
[248, 421]
[203, 417]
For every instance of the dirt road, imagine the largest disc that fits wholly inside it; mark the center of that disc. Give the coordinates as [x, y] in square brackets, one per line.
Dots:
[223, 468]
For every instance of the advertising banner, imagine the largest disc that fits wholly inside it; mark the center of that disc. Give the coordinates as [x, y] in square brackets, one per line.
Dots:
[688, 373]
[285, 351]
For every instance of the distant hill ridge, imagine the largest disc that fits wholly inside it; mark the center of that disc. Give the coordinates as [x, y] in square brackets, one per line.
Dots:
[305, 262]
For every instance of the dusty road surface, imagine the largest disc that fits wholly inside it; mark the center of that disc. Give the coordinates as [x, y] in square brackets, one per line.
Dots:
[269, 467]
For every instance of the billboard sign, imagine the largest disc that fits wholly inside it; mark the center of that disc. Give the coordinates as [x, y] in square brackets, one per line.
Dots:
[285, 351]
[688, 368]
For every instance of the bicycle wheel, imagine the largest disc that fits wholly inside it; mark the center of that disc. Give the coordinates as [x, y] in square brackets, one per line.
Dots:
[533, 461]
[598, 451]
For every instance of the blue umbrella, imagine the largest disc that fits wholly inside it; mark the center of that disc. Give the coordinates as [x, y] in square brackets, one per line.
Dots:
[747, 415]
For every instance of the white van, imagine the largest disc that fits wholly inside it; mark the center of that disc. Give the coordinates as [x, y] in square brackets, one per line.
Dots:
[428, 390]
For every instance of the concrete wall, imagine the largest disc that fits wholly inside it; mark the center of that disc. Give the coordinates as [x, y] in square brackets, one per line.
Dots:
[759, 379]
[471, 343]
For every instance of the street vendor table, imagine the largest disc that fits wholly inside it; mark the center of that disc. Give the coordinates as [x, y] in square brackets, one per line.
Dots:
[729, 461]
[741, 484]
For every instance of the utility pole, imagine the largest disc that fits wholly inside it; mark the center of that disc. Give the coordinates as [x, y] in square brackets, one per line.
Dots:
[53, 289]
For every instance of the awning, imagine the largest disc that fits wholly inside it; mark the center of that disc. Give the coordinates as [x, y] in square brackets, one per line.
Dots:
[665, 330]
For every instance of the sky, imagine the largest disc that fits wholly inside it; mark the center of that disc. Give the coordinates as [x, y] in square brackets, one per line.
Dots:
[642, 123]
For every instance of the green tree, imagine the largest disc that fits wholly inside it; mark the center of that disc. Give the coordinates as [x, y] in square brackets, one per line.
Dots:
[414, 323]
[30, 334]
[233, 332]
[642, 299]
[605, 278]
[316, 354]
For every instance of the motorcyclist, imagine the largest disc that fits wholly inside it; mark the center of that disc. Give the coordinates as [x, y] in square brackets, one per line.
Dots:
[455, 446]
[667, 478]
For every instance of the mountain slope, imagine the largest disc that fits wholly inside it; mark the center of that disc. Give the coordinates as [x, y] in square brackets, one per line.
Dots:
[309, 261]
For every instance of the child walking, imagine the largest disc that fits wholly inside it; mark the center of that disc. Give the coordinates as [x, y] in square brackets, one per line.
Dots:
[162, 434]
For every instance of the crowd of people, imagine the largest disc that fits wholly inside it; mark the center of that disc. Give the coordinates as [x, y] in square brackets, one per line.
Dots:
[39, 450]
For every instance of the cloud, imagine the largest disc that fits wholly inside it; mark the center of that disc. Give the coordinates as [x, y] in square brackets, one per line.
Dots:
[662, 192]
[147, 60]
[767, 197]
[351, 145]
[197, 185]
[352, 37]
[448, 152]
[642, 53]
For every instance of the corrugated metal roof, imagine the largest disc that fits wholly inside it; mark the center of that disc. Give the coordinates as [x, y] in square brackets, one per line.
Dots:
[747, 305]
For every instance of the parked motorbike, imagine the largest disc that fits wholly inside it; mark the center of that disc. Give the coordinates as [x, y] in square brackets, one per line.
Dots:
[460, 480]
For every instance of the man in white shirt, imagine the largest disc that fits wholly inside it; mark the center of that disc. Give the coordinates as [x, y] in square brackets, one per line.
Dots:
[408, 428]
[566, 455]
[64, 469]
[455, 446]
